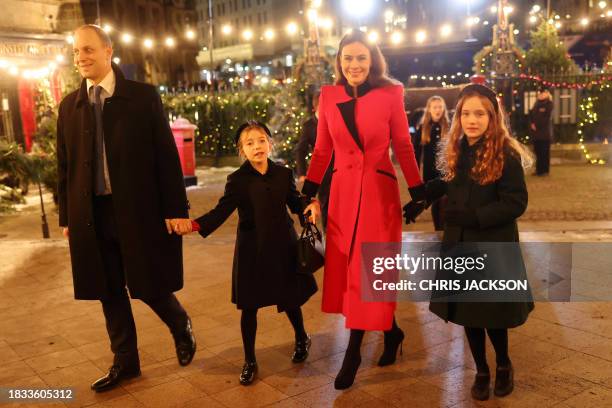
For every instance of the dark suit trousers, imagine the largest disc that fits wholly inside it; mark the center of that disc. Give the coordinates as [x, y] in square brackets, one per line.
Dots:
[542, 151]
[116, 304]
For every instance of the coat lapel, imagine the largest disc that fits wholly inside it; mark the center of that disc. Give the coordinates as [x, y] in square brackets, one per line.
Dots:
[347, 110]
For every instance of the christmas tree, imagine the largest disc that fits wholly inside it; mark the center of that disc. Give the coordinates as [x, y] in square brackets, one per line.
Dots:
[548, 55]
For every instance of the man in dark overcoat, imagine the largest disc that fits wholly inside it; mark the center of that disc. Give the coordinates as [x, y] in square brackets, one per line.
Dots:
[541, 125]
[121, 191]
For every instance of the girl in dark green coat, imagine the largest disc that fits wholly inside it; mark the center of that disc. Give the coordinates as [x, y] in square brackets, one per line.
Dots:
[483, 179]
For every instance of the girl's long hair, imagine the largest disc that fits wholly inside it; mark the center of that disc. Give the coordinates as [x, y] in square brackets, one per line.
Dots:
[426, 120]
[489, 161]
[379, 75]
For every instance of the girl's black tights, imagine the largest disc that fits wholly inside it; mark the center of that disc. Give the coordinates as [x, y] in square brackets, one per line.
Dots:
[248, 327]
[499, 339]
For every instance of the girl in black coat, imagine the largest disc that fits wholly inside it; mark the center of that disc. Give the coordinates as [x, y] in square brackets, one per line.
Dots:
[484, 182]
[264, 271]
[432, 128]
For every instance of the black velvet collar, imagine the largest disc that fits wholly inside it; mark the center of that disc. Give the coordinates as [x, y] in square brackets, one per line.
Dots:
[248, 167]
[361, 89]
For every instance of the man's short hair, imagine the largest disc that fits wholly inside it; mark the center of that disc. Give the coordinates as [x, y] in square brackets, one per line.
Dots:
[102, 35]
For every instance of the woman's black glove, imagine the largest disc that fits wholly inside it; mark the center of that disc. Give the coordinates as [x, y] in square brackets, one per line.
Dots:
[304, 202]
[413, 209]
[464, 217]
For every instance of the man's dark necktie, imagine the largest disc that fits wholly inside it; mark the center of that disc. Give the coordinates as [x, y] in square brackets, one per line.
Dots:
[99, 183]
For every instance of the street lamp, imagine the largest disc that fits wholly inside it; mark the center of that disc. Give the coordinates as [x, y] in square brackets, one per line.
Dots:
[312, 15]
[107, 28]
[269, 34]
[358, 9]
[446, 30]
[584, 22]
[373, 37]
[126, 38]
[148, 43]
[396, 37]
[420, 36]
[190, 34]
[292, 28]
[470, 21]
[170, 42]
[326, 23]
[247, 34]
[226, 29]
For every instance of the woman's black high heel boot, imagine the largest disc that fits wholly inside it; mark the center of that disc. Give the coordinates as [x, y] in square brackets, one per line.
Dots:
[352, 360]
[394, 338]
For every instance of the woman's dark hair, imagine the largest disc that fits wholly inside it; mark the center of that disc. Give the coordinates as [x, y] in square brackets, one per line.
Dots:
[379, 75]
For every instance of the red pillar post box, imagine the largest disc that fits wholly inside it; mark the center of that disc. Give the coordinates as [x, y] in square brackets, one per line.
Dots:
[184, 136]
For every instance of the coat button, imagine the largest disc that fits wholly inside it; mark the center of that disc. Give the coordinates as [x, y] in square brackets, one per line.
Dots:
[85, 194]
[89, 224]
[351, 152]
[350, 166]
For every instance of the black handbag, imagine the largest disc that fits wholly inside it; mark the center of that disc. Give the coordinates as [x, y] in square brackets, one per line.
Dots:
[310, 250]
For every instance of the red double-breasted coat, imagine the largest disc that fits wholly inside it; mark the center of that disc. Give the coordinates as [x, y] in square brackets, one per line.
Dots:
[364, 202]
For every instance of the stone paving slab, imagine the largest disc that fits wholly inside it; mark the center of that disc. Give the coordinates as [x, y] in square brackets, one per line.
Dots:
[562, 355]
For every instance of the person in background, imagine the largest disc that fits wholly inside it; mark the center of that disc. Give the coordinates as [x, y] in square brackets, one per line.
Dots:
[540, 123]
[432, 129]
[304, 146]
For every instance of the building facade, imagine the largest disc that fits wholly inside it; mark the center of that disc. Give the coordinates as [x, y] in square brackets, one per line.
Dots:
[32, 46]
[158, 21]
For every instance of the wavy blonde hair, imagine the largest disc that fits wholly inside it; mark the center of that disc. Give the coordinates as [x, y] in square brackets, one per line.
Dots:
[489, 161]
[426, 120]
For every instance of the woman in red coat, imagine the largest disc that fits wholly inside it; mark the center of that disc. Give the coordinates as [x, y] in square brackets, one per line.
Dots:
[359, 118]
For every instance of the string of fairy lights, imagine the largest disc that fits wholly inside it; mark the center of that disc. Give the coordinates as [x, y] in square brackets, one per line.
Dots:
[393, 35]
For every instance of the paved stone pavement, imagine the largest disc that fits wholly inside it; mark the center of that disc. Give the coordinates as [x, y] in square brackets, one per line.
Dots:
[562, 355]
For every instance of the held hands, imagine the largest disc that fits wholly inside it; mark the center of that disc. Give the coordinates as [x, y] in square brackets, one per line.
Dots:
[179, 226]
[313, 211]
[413, 209]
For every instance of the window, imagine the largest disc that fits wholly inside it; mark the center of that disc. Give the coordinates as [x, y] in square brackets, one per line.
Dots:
[265, 17]
[223, 8]
[258, 18]
[142, 18]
